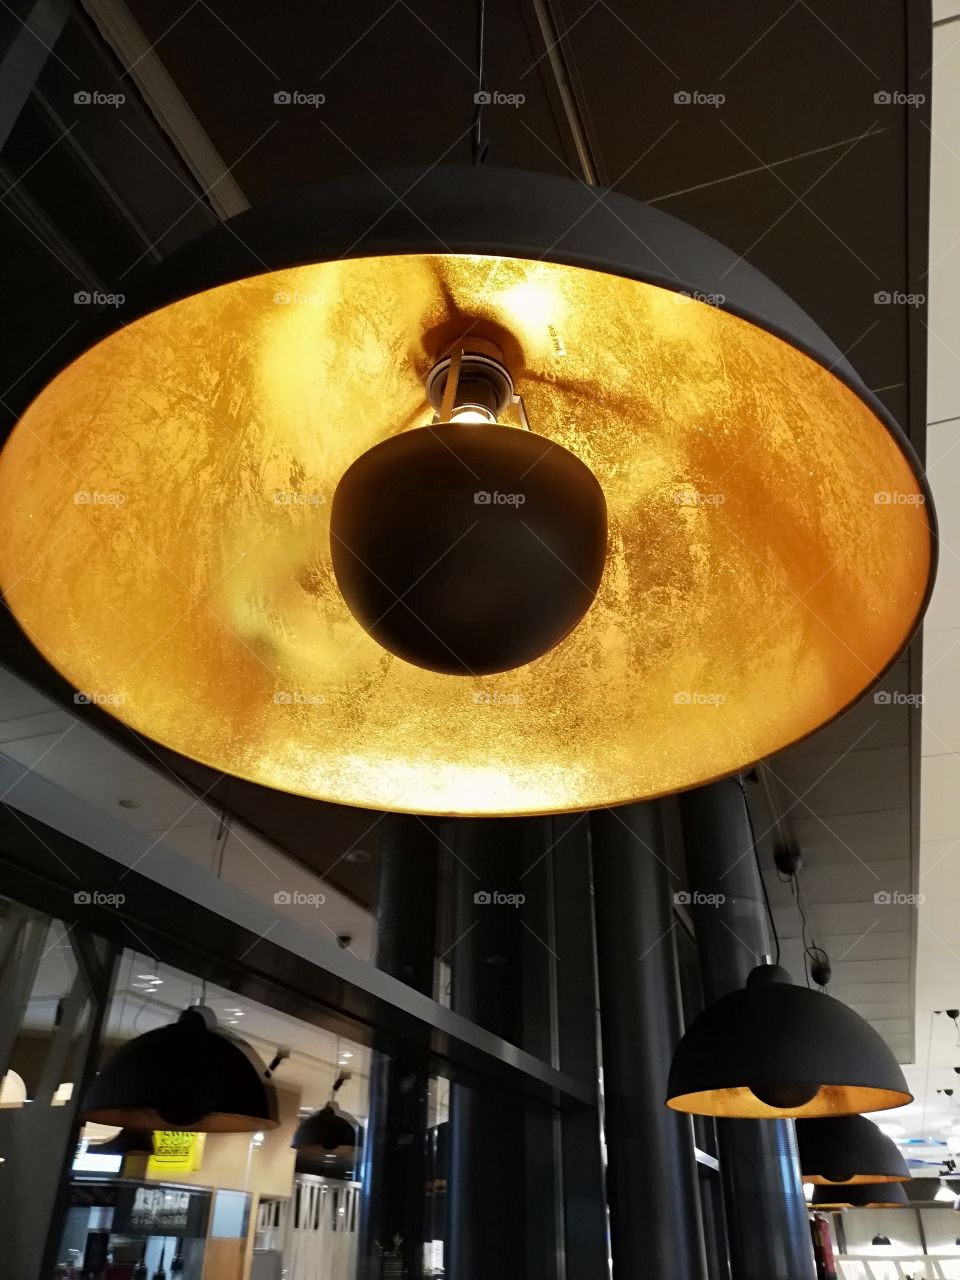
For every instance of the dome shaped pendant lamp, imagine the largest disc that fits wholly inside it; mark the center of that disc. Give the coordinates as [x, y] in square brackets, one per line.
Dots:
[848, 1150]
[187, 1075]
[652, 529]
[775, 1050]
[328, 1129]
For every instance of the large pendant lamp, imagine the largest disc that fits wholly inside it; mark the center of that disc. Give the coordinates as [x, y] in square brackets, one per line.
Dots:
[469, 492]
[848, 1150]
[775, 1050]
[187, 1075]
[867, 1195]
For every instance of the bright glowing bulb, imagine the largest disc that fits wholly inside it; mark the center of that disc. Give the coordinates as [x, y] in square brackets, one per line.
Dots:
[808, 1191]
[945, 1194]
[472, 413]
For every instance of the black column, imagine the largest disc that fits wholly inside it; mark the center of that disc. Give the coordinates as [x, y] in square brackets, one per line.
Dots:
[395, 1148]
[767, 1224]
[487, 1193]
[655, 1227]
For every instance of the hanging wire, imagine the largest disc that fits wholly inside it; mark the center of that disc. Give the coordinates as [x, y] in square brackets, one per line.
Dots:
[763, 884]
[479, 145]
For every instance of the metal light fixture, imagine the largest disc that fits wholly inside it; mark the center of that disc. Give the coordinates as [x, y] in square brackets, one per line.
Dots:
[866, 1195]
[172, 498]
[329, 1128]
[488, 543]
[880, 1238]
[187, 1075]
[325, 1130]
[774, 1050]
[848, 1150]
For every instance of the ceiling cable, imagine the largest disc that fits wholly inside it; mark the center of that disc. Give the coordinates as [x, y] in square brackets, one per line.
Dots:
[763, 883]
[479, 145]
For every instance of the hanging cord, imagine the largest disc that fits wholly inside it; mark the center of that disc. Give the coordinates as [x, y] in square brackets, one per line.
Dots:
[763, 884]
[479, 145]
[814, 956]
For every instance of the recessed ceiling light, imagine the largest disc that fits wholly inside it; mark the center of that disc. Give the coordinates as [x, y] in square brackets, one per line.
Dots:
[357, 855]
[126, 803]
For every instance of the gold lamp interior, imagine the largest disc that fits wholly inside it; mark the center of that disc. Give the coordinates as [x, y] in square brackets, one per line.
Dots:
[164, 536]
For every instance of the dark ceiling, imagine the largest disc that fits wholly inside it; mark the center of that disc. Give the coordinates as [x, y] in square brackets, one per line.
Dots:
[803, 168]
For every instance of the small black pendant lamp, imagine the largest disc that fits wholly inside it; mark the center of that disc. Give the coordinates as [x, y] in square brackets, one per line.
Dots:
[188, 1075]
[848, 1150]
[328, 1128]
[775, 1050]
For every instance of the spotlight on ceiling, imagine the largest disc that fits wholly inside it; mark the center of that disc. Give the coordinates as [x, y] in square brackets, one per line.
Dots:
[773, 1049]
[848, 1149]
[702, 475]
[187, 1075]
[879, 1239]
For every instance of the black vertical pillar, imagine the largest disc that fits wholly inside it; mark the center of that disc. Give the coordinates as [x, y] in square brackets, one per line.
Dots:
[766, 1214]
[487, 1194]
[395, 1148]
[655, 1227]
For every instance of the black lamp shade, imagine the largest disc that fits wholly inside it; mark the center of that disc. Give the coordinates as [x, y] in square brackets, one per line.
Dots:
[325, 1130]
[775, 1050]
[848, 1150]
[126, 1141]
[184, 1076]
[865, 1195]
[880, 1238]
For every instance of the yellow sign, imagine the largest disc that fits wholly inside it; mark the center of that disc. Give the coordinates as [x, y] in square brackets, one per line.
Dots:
[175, 1151]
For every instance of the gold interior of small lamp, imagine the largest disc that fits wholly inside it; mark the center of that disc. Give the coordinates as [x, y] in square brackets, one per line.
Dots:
[830, 1100]
[855, 1181]
[164, 536]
